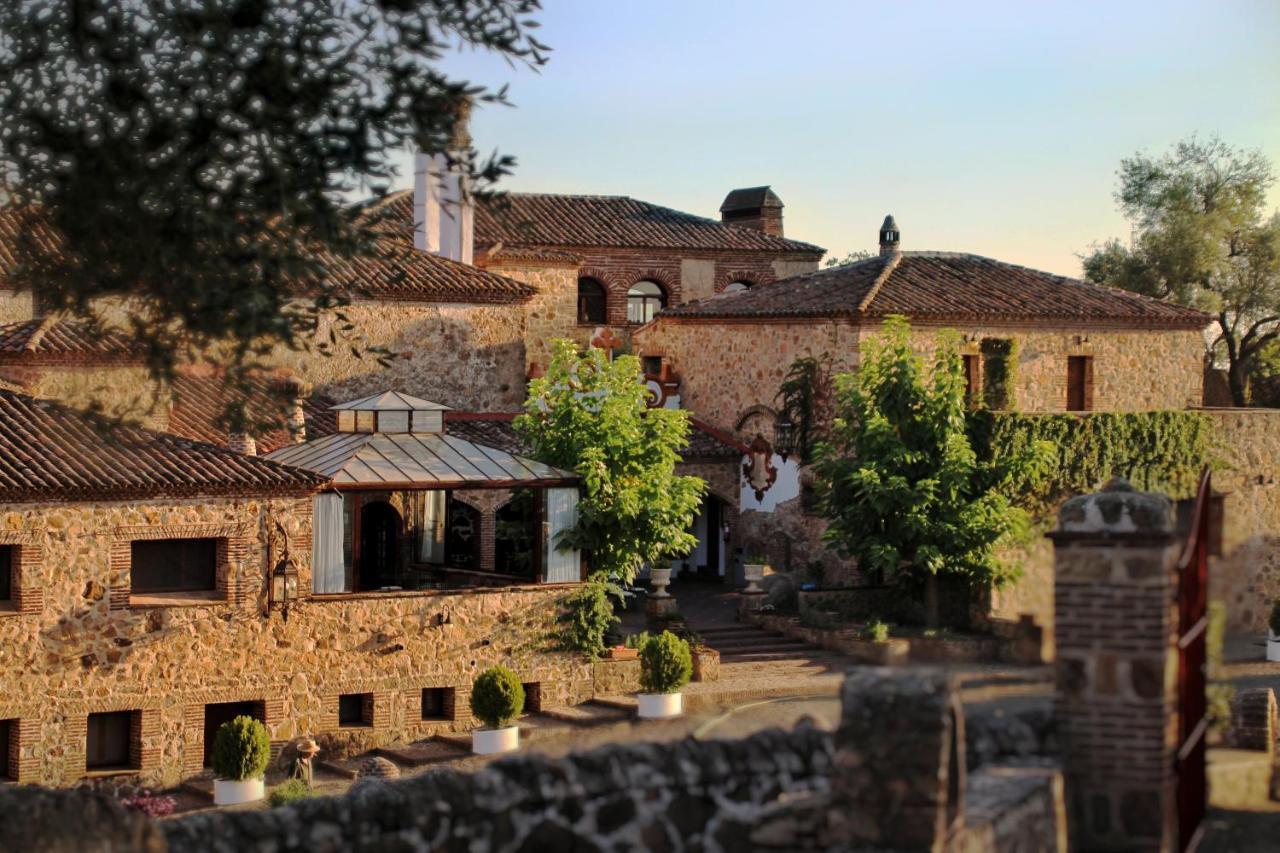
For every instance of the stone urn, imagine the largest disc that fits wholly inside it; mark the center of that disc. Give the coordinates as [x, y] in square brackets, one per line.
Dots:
[659, 706]
[753, 573]
[1273, 646]
[494, 741]
[232, 792]
[660, 579]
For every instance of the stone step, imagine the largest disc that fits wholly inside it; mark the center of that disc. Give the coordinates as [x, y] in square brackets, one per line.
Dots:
[586, 714]
[1239, 779]
[421, 753]
[763, 656]
[345, 768]
[752, 648]
[757, 642]
[734, 631]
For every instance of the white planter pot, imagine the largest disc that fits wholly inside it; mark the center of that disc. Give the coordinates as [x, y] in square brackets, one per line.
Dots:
[493, 741]
[659, 579]
[1273, 646]
[753, 573]
[228, 792]
[659, 706]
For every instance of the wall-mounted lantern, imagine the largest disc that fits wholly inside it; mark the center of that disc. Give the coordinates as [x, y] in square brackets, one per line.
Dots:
[283, 587]
[784, 437]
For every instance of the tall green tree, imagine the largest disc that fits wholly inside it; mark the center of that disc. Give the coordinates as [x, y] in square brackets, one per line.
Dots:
[898, 480]
[1202, 237]
[590, 415]
[193, 155]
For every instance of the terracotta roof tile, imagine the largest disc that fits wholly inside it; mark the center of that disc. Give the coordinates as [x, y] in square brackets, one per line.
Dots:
[51, 340]
[201, 396]
[494, 429]
[553, 220]
[943, 286]
[49, 452]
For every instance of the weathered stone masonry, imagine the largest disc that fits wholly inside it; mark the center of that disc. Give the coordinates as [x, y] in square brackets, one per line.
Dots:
[78, 643]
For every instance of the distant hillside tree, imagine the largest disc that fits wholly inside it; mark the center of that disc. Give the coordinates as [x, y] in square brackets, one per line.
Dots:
[590, 415]
[1202, 237]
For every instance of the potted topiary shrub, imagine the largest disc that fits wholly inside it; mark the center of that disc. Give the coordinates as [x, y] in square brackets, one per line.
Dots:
[241, 750]
[1273, 632]
[497, 698]
[665, 667]
[753, 572]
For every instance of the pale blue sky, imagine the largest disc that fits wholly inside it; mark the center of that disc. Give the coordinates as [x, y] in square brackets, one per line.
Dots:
[986, 127]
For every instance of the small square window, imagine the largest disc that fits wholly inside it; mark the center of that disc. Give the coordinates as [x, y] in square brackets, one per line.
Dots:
[652, 365]
[366, 420]
[355, 709]
[8, 751]
[437, 703]
[532, 696]
[173, 565]
[110, 741]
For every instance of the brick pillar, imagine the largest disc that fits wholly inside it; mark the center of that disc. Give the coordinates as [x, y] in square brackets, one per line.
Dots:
[900, 774]
[1115, 585]
[488, 540]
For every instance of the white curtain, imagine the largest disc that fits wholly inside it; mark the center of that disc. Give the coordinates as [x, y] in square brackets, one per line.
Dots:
[561, 515]
[431, 527]
[328, 574]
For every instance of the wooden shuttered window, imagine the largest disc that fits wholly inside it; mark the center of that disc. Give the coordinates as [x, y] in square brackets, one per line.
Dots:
[972, 381]
[1079, 383]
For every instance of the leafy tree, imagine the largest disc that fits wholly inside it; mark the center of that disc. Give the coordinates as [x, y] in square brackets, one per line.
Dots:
[589, 414]
[192, 155]
[898, 480]
[1201, 238]
[851, 258]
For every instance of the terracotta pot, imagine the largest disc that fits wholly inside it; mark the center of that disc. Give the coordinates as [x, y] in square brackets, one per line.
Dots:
[622, 653]
[230, 792]
[493, 741]
[660, 706]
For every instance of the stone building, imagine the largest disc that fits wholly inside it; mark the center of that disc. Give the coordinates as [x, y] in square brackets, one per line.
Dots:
[137, 612]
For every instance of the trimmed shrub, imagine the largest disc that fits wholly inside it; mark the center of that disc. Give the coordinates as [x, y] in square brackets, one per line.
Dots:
[665, 664]
[288, 792]
[241, 749]
[587, 619]
[497, 697]
[876, 631]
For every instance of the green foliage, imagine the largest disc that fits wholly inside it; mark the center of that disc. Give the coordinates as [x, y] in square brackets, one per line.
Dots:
[1160, 451]
[230, 134]
[241, 749]
[1202, 238]
[1218, 698]
[876, 631]
[898, 479]
[590, 415]
[999, 373]
[497, 697]
[666, 665]
[289, 791]
[587, 619]
[851, 258]
[1215, 637]
[805, 400]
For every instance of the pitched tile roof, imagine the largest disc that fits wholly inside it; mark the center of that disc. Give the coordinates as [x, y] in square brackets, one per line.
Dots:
[50, 452]
[494, 429]
[56, 340]
[595, 221]
[943, 286]
[394, 270]
[201, 396]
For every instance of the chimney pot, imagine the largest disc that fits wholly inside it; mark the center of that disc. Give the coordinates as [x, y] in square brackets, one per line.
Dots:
[890, 236]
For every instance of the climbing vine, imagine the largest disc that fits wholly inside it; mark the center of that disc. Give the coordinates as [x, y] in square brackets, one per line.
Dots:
[999, 373]
[805, 399]
[1156, 451]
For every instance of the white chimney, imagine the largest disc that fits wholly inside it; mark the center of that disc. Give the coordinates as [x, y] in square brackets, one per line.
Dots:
[442, 210]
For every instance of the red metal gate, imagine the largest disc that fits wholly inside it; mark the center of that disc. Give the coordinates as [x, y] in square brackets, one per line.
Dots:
[1193, 624]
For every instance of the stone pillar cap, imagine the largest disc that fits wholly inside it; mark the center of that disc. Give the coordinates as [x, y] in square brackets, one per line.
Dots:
[1118, 509]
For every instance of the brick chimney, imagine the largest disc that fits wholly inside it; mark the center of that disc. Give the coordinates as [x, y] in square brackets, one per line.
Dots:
[889, 236]
[242, 442]
[753, 207]
[443, 211]
[293, 392]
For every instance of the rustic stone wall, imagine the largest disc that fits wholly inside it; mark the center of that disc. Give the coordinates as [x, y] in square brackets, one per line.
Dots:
[1247, 575]
[14, 306]
[122, 391]
[79, 643]
[553, 313]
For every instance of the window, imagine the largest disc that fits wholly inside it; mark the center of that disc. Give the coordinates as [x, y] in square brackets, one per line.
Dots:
[355, 709]
[592, 301]
[110, 741]
[972, 383]
[532, 696]
[174, 565]
[8, 738]
[652, 365]
[7, 564]
[737, 287]
[515, 538]
[644, 299]
[437, 703]
[1079, 383]
[366, 421]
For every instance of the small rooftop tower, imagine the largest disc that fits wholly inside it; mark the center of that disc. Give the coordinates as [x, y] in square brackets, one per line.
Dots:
[753, 207]
[889, 236]
[390, 412]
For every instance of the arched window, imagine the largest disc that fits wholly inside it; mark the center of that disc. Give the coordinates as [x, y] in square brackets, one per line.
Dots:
[644, 299]
[591, 301]
[737, 287]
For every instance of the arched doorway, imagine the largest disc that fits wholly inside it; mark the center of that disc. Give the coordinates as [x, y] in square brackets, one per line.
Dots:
[379, 544]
